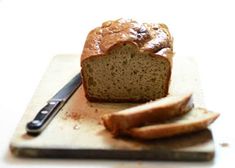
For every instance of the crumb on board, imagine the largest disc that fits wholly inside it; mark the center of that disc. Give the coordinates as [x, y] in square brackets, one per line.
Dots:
[100, 122]
[71, 115]
[224, 144]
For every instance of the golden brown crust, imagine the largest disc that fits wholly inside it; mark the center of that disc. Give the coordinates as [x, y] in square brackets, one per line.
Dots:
[148, 37]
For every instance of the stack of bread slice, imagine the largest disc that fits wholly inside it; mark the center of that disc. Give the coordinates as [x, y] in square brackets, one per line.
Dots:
[165, 117]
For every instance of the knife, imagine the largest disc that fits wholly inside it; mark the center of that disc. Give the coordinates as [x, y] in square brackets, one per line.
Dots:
[48, 112]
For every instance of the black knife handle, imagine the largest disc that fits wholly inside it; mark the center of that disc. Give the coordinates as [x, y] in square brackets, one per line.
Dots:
[43, 117]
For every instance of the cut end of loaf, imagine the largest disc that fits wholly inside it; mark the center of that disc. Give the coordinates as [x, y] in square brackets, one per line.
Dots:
[126, 75]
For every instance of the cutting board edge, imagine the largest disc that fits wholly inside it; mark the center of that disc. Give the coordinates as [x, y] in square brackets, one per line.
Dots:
[164, 155]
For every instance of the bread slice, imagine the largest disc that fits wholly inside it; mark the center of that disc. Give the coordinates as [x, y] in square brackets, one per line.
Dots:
[154, 111]
[197, 119]
[125, 61]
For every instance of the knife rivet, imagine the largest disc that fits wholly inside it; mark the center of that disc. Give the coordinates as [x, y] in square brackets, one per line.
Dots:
[44, 112]
[52, 103]
[35, 121]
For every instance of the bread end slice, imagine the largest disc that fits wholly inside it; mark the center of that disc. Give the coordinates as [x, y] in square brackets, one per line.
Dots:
[196, 120]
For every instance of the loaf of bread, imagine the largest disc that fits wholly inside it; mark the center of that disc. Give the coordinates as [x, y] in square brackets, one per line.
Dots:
[127, 61]
[196, 120]
[151, 112]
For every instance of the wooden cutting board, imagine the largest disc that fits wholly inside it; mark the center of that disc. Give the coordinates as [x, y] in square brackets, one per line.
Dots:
[76, 131]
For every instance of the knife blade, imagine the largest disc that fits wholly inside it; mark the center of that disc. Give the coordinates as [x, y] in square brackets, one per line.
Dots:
[48, 112]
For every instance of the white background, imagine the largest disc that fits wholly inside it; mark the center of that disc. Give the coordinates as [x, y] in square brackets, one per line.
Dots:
[32, 32]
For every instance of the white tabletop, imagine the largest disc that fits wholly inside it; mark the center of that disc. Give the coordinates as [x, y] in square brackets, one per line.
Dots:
[32, 32]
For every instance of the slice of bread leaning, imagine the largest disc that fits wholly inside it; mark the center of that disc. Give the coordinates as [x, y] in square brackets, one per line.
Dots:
[197, 119]
[154, 111]
[127, 61]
